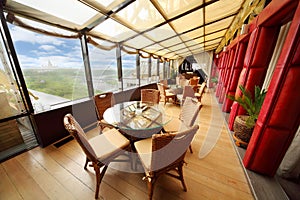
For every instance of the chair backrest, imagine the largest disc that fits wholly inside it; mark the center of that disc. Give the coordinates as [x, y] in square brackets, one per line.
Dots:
[183, 82]
[177, 79]
[187, 92]
[164, 82]
[189, 112]
[73, 127]
[102, 102]
[194, 80]
[150, 96]
[202, 88]
[162, 90]
[170, 148]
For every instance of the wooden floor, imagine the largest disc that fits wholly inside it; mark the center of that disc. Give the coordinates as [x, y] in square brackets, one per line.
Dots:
[57, 173]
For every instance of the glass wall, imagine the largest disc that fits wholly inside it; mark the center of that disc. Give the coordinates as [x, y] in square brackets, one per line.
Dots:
[144, 64]
[167, 70]
[52, 67]
[154, 77]
[103, 67]
[129, 71]
[16, 132]
[54, 70]
[161, 70]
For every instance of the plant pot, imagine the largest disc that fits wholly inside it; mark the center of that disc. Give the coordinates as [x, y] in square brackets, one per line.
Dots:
[242, 133]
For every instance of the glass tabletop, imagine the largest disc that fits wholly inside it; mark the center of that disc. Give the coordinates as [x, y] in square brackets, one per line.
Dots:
[135, 115]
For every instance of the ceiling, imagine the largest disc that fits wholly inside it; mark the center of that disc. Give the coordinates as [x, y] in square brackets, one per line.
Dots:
[167, 28]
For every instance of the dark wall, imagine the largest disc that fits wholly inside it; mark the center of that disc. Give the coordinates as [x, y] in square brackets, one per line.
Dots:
[49, 125]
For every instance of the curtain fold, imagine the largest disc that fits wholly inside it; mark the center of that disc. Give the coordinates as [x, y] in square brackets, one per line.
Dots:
[18, 22]
[280, 41]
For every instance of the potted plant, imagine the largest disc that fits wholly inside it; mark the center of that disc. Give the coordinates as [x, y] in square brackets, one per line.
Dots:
[214, 82]
[244, 124]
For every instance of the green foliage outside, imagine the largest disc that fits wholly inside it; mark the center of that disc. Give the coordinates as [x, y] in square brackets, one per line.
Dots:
[65, 83]
[251, 105]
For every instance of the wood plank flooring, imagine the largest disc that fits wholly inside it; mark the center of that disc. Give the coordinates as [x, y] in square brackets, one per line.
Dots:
[57, 173]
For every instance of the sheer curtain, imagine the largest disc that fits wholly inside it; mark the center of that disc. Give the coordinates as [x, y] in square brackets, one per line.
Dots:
[280, 41]
[290, 165]
[204, 60]
[178, 62]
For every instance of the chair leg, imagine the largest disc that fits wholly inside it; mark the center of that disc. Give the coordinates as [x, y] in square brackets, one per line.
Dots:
[191, 150]
[86, 162]
[99, 177]
[180, 172]
[150, 184]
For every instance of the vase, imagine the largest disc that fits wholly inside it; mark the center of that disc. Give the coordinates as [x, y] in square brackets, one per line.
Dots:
[242, 133]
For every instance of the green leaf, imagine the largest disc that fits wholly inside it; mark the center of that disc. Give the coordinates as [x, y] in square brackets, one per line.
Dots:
[251, 105]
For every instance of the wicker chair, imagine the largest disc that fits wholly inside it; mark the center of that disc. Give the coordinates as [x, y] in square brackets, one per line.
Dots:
[201, 91]
[164, 94]
[99, 150]
[187, 117]
[163, 153]
[165, 83]
[150, 96]
[194, 82]
[102, 102]
[187, 92]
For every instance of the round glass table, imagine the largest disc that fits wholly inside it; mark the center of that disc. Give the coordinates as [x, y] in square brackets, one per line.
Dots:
[137, 119]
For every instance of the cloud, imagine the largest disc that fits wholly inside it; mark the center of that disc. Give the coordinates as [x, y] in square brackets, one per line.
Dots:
[48, 47]
[21, 34]
[60, 52]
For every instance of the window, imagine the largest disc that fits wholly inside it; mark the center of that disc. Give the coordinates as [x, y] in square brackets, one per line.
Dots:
[129, 71]
[16, 132]
[161, 70]
[154, 77]
[103, 67]
[52, 67]
[144, 64]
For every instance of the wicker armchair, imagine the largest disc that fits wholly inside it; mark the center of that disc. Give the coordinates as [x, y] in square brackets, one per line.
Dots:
[165, 83]
[187, 92]
[150, 96]
[163, 153]
[201, 91]
[187, 117]
[164, 94]
[99, 150]
[102, 102]
[194, 82]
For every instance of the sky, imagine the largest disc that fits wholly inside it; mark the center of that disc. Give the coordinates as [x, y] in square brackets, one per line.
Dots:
[36, 50]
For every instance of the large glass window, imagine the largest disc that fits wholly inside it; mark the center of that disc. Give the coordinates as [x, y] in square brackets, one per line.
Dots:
[129, 70]
[161, 70]
[104, 67]
[16, 133]
[144, 64]
[52, 67]
[167, 70]
[154, 77]
[10, 98]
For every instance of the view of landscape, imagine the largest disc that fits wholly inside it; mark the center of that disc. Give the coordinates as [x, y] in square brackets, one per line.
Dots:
[54, 73]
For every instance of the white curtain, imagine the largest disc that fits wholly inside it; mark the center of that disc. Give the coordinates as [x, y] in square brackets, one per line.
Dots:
[280, 41]
[177, 63]
[290, 165]
[205, 60]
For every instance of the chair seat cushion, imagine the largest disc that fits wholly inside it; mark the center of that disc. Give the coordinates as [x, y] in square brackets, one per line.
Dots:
[197, 94]
[169, 94]
[173, 125]
[144, 150]
[110, 142]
